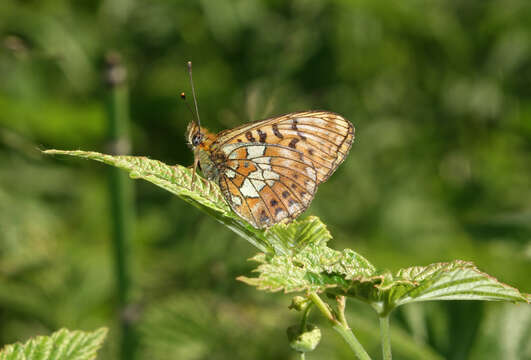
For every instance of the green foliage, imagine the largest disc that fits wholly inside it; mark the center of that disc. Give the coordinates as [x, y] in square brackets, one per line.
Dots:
[302, 261]
[61, 345]
[299, 259]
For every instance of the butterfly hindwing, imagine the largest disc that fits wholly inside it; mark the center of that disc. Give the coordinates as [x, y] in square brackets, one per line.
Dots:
[266, 184]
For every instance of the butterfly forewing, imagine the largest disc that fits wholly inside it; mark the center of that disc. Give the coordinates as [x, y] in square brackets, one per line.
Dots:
[270, 169]
[322, 137]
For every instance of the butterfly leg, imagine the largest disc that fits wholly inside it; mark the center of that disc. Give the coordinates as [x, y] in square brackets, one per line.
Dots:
[194, 171]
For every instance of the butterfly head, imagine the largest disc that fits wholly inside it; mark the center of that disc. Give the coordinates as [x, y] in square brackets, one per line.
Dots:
[194, 135]
[199, 137]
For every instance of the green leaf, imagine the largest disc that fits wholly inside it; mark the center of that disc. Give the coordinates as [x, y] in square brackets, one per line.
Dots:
[321, 269]
[61, 345]
[456, 280]
[314, 268]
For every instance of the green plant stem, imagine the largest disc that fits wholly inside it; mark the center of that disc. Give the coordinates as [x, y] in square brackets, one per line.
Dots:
[340, 327]
[341, 304]
[121, 194]
[305, 315]
[386, 337]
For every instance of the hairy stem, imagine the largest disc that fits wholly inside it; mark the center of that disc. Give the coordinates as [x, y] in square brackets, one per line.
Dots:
[386, 337]
[340, 326]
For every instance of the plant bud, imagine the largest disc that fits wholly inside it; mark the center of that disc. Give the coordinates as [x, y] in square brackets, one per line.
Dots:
[298, 303]
[304, 341]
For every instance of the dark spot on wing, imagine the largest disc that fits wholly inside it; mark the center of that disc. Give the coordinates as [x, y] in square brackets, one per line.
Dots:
[249, 136]
[293, 143]
[278, 211]
[310, 151]
[291, 202]
[246, 164]
[294, 124]
[262, 135]
[264, 217]
[285, 194]
[277, 132]
[294, 127]
[239, 140]
[293, 186]
[273, 202]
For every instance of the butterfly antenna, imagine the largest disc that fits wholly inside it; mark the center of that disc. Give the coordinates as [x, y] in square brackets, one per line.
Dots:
[183, 96]
[193, 93]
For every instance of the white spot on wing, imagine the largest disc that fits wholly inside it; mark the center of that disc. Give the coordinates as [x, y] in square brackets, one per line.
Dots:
[236, 200]
[306, 198]
[311, 173]
[229, 148]
[258, 175]
[258, 184]
[264, 175]
[294, 207]
[270, 175]
[247, 189]
[263, 160]
[310, 186]
[264, 166]
[281, 215]
[230, 173]
[255, 151]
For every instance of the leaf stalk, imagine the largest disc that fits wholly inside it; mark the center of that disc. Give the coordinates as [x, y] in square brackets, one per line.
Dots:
[340, 326]
[385, 335]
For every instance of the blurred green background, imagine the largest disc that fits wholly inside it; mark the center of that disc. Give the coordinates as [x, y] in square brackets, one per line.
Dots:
[439, 93]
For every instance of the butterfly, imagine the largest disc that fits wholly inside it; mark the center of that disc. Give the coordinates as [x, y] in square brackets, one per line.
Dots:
[269, 170]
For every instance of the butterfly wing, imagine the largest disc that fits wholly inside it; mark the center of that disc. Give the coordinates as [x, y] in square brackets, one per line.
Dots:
[266, 184]
[322, 137]
[270, 169]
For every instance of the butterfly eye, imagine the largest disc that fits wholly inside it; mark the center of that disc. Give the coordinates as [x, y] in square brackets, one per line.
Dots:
[196, 140]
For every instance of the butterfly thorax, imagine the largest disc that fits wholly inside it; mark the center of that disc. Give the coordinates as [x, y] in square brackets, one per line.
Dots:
[202, 149]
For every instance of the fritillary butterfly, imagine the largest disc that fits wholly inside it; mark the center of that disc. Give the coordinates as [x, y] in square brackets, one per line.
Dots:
[269, 170]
